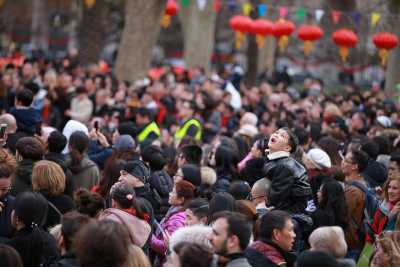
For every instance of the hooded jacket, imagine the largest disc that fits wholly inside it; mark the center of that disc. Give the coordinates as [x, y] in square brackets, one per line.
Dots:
[139, 230]
[290, 189]
[85, 175]
[23, 177]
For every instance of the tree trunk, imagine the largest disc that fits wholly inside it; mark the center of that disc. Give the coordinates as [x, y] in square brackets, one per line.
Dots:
[93, 32]
[40, 24]
[393, 67]
[142, 26]
[198, 27]
[252, 52]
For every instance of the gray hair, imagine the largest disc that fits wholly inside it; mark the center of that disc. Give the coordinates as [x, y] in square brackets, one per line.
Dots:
[329, 239]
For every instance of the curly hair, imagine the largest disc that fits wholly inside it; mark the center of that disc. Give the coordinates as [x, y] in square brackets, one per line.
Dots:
[8, 164]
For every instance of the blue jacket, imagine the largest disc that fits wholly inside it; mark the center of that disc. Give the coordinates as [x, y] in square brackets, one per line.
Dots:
[28, 119]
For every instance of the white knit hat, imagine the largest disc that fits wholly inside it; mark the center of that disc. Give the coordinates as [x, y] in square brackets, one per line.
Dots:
[196, 234]
[319, 158]
[248, 130]
[384, 121]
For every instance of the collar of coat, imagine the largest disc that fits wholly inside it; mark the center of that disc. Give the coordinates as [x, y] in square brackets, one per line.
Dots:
[278, 155]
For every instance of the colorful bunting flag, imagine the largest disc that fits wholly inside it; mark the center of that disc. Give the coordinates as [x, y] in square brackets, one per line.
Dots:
[301, 14]
[283, 11]
[336, 15]
[262, 10]
[375, 17]
[247, 9]
[201, 4]
[185, 3]
[319, 13]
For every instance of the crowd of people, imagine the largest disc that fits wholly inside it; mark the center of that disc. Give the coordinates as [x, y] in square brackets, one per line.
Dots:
[186, 169]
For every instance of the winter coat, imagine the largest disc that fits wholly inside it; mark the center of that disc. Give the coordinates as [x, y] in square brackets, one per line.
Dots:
[146, 193]
[290, 189]
[27, 119]
[238, 260]
[355, 199]
[174, 220]
[139, 230]
[98, 154]
[6, 230]
[62, 203]
[252, 170]
[23, 177]
[66, 260]
[267, 254]
[23, 243]
[162, 182]
[86, 174]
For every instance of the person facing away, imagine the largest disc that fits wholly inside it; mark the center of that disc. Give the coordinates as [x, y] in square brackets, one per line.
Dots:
[290, 189]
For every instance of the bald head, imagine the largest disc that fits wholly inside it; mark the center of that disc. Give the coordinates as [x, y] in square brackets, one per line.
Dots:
[259, 191]
[10, 121]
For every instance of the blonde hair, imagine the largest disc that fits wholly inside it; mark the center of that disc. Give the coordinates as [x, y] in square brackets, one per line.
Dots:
[136, 258]
[48, 176]
[390, 243]
[329, 239]
[394, 176]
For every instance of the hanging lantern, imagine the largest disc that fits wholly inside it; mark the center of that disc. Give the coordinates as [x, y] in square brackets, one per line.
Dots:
[282, 29]
[171, 9]
[261, 28]
[385, 41]
[241, 25]
[309, 34]
[90, 3]
[345, 39]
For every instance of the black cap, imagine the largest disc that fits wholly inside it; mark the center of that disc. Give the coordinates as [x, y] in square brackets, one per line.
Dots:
[138, 169]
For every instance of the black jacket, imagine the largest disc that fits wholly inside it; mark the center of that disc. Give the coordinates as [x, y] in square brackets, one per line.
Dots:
[6, 230]
[267, 254]
[290, 189]
[66, 260]
[62, 203]
[34, 246]
[253, 170]
[23, 177]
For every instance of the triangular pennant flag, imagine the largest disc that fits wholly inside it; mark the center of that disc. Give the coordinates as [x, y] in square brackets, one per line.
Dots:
[301, 14]
[201, 4]
[232, 5]
[262, 10]
[283, 11]
[247, 9]
[319, 13]
[185, 3]
[357, 18]
[336, 15]
[375, 17]
[217, 6]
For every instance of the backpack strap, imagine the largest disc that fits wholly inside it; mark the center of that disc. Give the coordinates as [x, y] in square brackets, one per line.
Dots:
[55, 209]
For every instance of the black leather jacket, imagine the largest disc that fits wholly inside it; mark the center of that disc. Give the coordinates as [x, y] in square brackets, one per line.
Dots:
[290, 188]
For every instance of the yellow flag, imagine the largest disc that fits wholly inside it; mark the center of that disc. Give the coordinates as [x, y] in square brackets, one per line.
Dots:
[247, 9]
[375, 17]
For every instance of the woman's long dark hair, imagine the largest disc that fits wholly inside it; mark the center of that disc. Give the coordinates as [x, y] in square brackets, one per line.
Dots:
[111, 174]
[78, 145]
[226, 161]
[333, 201]
[31, 209]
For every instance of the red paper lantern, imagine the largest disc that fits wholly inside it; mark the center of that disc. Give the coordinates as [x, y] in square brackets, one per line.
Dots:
[345, 39]
[309, 34]
[282, 29]
[171, 9]
[241, 25]
[385, 41]
[261, 28]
